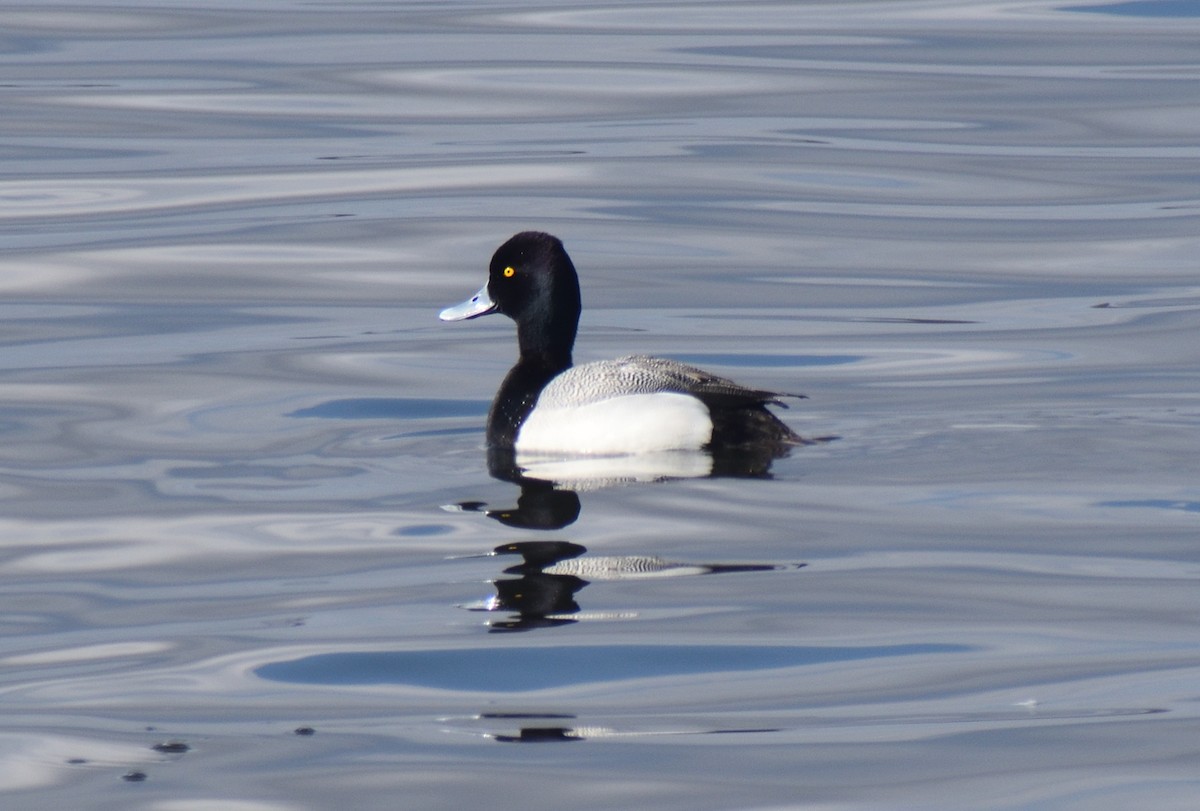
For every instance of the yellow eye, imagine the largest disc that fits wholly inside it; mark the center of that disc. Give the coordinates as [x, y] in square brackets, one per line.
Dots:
[509, 273]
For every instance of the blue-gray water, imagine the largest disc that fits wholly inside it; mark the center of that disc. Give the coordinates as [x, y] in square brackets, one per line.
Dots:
[242, 478]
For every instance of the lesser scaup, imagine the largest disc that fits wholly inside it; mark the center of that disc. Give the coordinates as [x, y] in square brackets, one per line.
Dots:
[635, 404]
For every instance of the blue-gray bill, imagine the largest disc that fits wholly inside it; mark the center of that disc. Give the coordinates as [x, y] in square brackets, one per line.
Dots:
[479, 304]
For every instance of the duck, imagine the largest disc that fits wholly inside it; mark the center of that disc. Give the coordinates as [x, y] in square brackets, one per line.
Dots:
[631, 405]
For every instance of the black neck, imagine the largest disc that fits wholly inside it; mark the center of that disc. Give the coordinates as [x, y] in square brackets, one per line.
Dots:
[546, 335]
[518, 395]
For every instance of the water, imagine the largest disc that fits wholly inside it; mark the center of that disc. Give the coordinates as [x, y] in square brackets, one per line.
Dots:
[245, 497]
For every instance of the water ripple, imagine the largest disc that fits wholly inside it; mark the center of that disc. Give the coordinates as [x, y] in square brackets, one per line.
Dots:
[53, 199]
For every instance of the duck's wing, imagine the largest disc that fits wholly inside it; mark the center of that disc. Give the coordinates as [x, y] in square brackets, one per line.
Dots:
[643, 374]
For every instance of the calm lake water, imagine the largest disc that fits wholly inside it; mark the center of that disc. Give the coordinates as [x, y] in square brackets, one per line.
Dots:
[246, 508]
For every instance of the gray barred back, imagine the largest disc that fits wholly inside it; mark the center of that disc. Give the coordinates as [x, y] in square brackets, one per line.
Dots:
[643, 374]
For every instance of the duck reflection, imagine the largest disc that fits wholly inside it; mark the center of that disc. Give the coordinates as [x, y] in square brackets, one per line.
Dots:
[584, 472]
[540, 506]
[550, 499]
[538, 727]
[541, 593]
[566, 728]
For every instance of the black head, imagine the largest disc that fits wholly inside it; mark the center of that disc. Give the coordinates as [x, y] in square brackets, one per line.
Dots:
[532, 281]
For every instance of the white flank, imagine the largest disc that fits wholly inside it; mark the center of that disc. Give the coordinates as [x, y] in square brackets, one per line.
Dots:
[633, 423]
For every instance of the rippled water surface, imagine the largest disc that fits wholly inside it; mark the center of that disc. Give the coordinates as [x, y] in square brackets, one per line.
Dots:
[247, 514]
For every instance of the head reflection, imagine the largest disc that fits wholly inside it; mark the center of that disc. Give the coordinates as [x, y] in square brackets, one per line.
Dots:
[537, 598]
